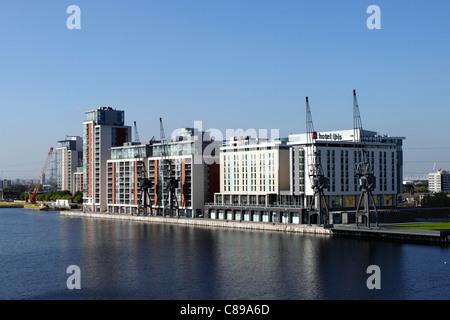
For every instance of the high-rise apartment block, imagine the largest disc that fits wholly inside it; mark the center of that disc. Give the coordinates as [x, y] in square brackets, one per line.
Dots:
[103, 129]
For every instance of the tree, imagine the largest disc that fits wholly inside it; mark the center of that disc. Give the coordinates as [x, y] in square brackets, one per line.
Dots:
[439, 199]
[78, 197]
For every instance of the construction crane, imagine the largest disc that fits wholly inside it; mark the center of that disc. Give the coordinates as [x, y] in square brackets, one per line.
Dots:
[41, 174]
[170, 183]
[142, 179]
[318, 180]
[363, 169]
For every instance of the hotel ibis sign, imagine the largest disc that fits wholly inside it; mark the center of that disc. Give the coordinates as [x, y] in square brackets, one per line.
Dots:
[329, 136]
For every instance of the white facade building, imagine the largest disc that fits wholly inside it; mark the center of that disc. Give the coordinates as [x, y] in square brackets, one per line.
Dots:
[338, 157]
[269, 181]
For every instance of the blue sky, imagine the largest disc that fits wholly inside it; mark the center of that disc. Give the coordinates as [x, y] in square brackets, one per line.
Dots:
[229, 63]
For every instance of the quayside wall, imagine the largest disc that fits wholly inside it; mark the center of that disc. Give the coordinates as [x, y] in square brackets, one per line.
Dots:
[264, 226]
[421, 236]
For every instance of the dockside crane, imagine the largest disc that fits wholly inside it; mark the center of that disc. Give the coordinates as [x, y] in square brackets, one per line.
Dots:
[318, 180]
[41, 174]
[170, 183]
[363, 169]
[142, 179]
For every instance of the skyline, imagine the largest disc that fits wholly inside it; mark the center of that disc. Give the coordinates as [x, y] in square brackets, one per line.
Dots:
[229, 64]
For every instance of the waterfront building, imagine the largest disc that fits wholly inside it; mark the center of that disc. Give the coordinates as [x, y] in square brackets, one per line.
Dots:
[269, 181]
[103, 129]
[439, 181]
[77, 185]
[68, 159]
[123, 170]
[338, 156]
[193, 158]
[193, 164]
[253, 173]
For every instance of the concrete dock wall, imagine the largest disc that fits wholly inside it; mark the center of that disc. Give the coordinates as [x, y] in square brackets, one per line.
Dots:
[282, 227]
[422, 236]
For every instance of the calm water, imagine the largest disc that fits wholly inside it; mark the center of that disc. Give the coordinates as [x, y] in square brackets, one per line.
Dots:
[131, 260]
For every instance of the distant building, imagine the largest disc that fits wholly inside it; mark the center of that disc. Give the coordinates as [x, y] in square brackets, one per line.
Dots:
[103, 129]
[6, 183]
[68, 159]
[439, 181]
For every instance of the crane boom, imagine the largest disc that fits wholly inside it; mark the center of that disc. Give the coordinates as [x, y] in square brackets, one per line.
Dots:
[318, 180]
[363, 170]
[136, 133]
[170, 183]
[143, 183]
[41, 174]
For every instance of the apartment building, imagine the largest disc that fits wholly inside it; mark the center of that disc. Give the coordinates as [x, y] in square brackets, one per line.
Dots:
[124, 169]
[78, 180]
[192, 158]
[186, 154]
[103, 129]
[68, 159]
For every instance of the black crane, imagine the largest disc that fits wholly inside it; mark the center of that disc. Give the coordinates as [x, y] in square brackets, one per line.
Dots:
[143, 182]
[170, 183]
[363, 169]
[318, 180]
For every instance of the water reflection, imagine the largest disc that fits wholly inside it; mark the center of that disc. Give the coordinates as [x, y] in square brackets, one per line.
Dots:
[135, 260]
[157, 261]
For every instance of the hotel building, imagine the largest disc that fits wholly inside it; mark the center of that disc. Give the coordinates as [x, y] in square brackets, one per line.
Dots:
[103, 129]
[68, 159]
[269, 181]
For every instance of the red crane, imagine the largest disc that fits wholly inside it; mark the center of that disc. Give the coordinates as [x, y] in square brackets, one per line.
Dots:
[41, 174]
